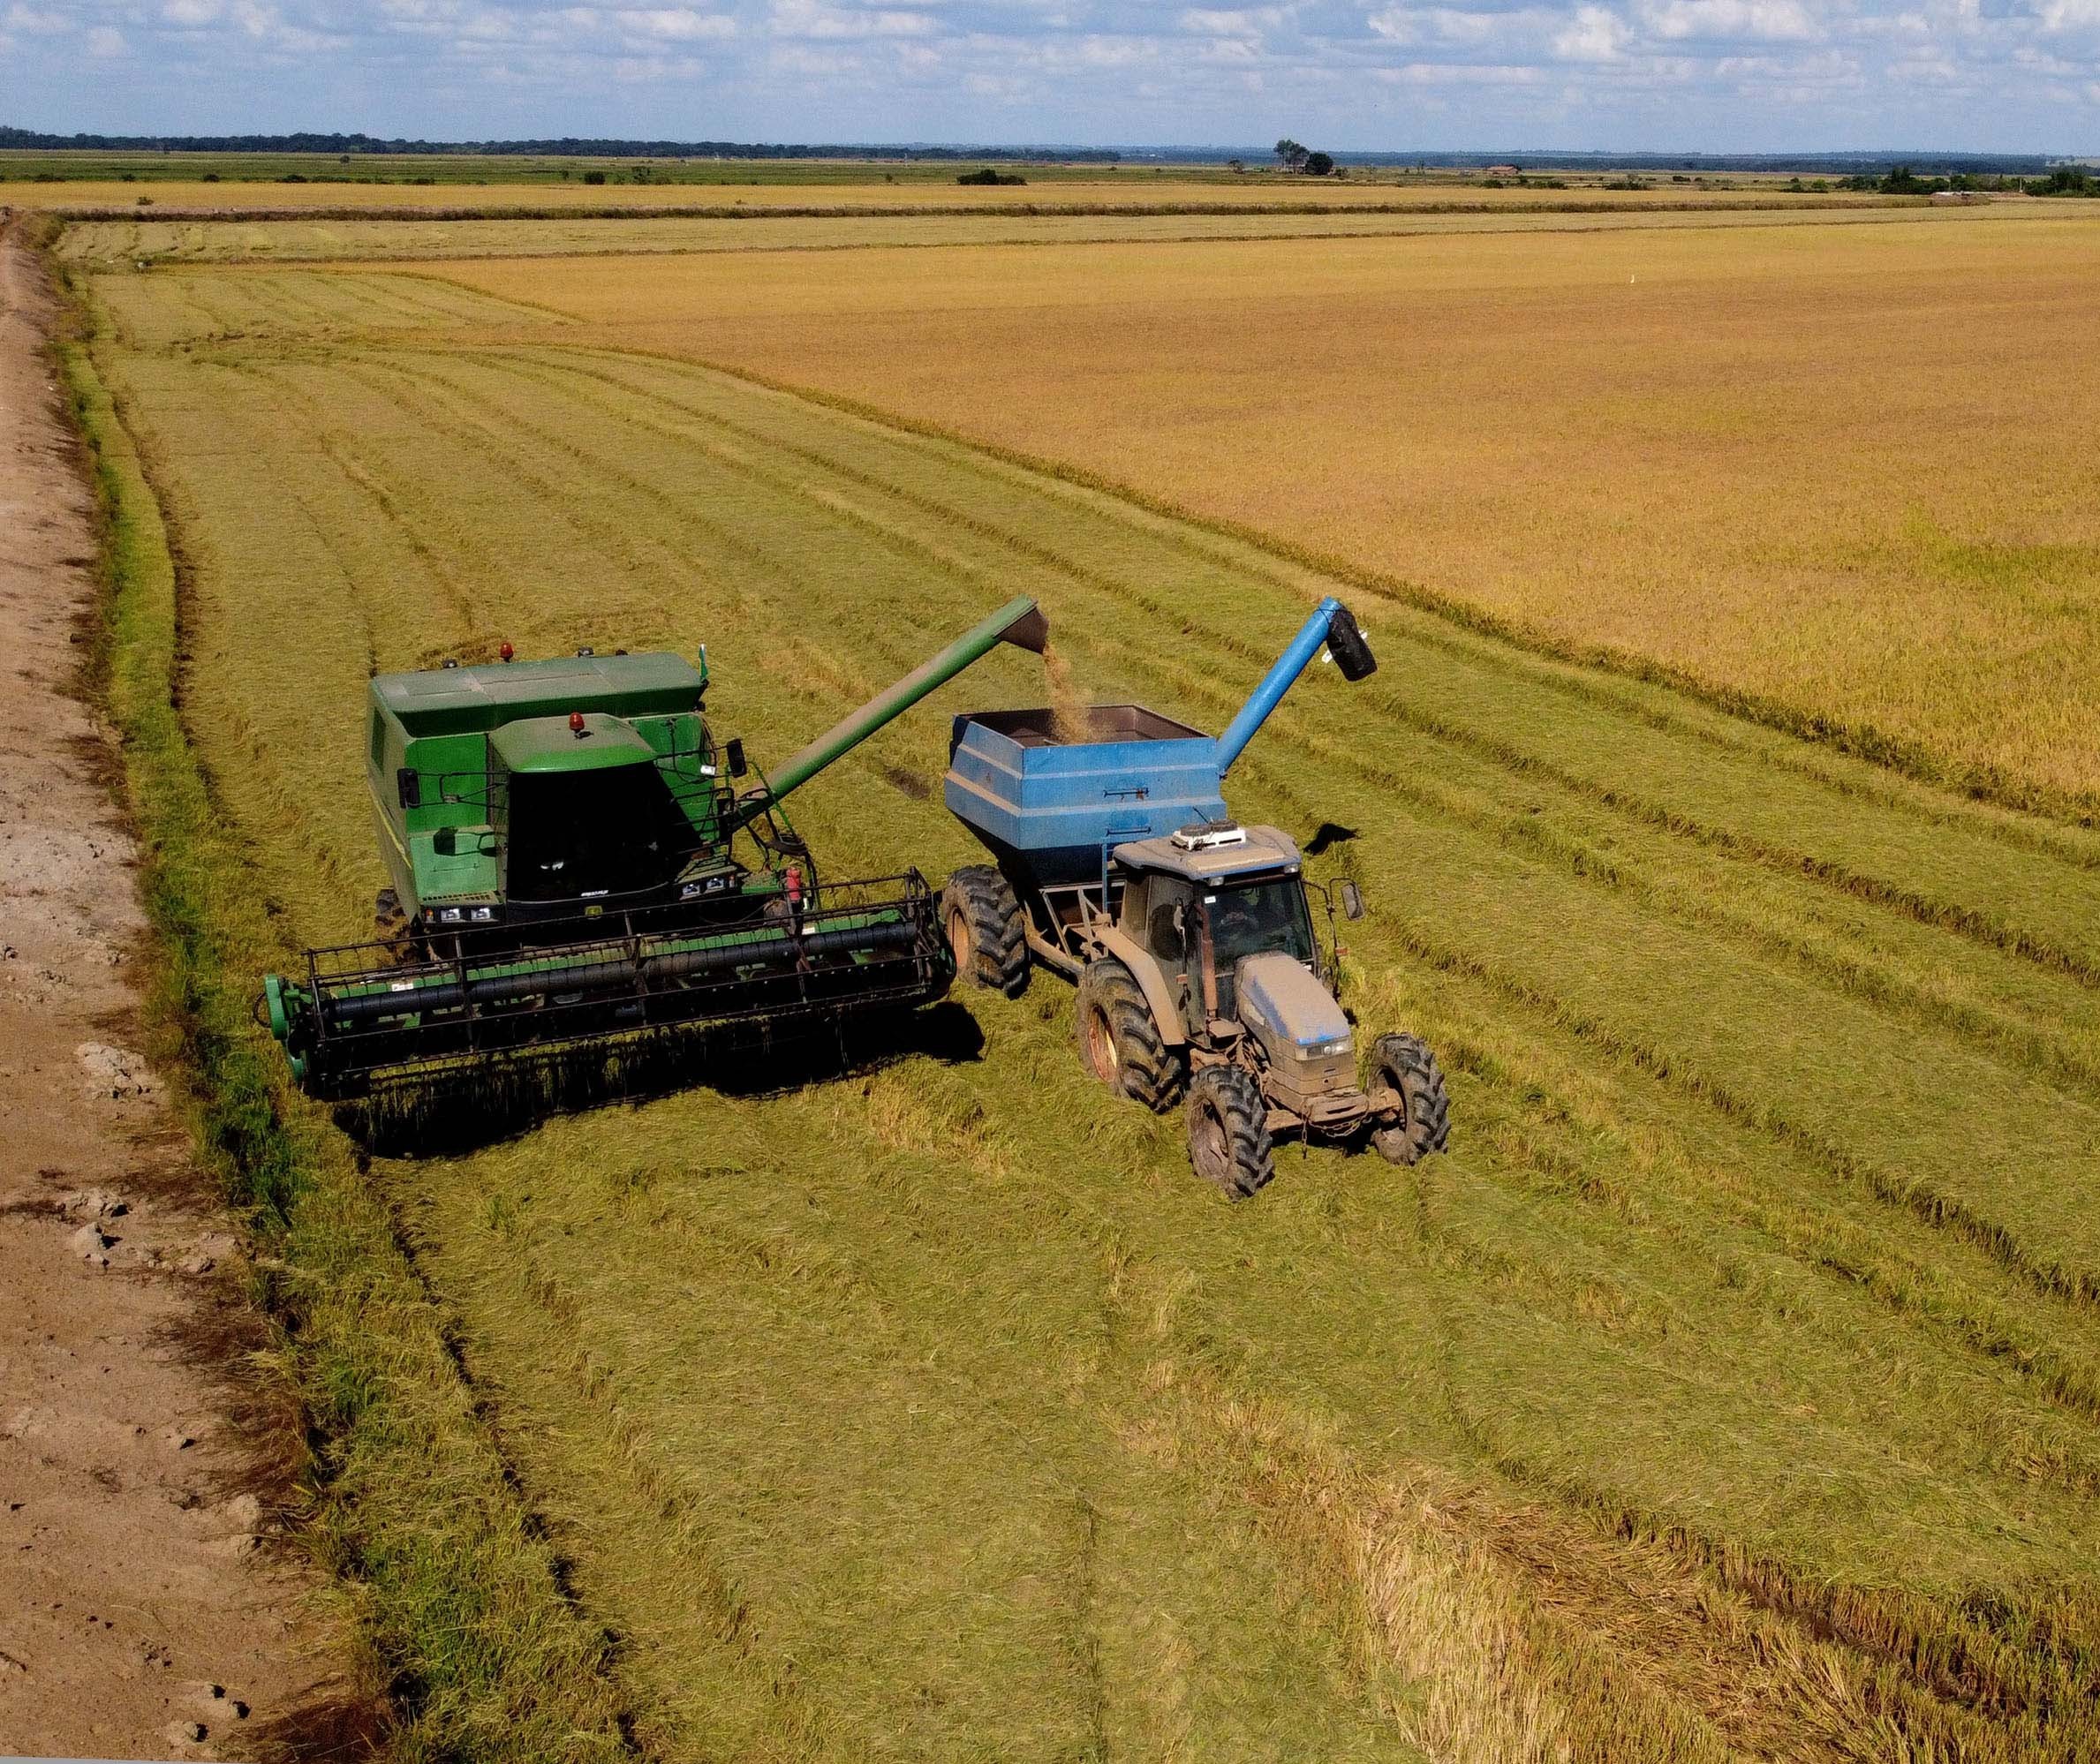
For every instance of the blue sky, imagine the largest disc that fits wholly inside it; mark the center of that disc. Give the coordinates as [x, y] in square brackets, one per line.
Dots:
[1718, 75]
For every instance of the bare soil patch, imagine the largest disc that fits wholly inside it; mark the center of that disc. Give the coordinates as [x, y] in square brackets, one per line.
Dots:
[142, 1610]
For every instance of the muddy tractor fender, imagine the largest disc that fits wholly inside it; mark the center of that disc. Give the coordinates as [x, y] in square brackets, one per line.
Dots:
[1144, 968]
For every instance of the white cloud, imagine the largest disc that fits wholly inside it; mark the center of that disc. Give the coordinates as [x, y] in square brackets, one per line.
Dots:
[39, 24]
[106, 42]
[1594, 33]
[814, 19]
[1245, 22]
[677, 24]
[1730, 20]
[1450, 24]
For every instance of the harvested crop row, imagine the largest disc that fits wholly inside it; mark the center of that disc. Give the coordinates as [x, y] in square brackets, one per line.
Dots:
[1761, 1267]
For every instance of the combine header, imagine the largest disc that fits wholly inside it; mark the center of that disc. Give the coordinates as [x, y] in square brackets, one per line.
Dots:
[582, 885]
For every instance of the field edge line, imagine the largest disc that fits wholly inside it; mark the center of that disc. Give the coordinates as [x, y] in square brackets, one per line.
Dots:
[455, 1601]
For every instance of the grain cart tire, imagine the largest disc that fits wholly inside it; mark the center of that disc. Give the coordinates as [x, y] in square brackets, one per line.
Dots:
[1228, 1131]
[1406, 1065]
[985, 929]
[1118, 1043]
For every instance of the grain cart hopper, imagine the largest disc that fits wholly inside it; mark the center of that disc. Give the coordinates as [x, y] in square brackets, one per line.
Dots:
[1191, 938]
[579, 877]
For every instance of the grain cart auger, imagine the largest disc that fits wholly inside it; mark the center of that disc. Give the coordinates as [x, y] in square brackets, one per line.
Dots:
[1191, 938]
[580, 878]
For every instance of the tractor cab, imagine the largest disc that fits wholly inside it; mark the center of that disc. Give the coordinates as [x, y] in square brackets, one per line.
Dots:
[1203, 899]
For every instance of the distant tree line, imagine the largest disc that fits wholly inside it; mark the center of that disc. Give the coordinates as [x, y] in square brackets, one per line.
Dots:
[1900, 180]
[568, 146]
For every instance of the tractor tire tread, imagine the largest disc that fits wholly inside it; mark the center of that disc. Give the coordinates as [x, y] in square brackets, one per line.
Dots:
[1414, 1071]
[1244, 1116]
[999, 957]
[1147, 1070]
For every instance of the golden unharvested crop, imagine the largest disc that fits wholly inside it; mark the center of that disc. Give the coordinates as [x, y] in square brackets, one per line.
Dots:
[1847, 472]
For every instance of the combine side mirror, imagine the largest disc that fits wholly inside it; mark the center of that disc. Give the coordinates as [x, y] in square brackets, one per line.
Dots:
[410, 782]
[1352, 901]
[733, 752]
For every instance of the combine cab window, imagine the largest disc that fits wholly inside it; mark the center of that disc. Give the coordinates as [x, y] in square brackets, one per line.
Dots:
[580, 835]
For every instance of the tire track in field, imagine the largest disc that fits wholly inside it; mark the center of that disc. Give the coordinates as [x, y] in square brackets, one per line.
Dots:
[329, 437]
[1755, 1677]
[1920, 1200]
[493, 429]
[1854, 1258]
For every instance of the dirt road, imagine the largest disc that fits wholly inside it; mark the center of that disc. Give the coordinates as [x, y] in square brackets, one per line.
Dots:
[142, 1613]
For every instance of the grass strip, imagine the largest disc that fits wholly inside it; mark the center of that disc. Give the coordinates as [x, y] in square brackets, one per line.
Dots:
[450, 1584]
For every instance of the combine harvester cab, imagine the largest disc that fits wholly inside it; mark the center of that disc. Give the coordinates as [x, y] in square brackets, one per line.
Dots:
[1201, 976]
[585, 888]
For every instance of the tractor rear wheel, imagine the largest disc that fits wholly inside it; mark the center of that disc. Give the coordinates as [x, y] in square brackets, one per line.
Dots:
[985, 929]
[1403, 1063]
[1118, 1043]
[1228, 1131]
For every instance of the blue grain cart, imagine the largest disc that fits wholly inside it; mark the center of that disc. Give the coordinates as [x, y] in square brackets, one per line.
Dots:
[1191, 936]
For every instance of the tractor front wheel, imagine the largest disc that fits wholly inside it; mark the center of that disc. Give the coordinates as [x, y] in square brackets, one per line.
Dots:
[985, 929]
[1118, 1043]
[1405, 1065]
[1228, 1131]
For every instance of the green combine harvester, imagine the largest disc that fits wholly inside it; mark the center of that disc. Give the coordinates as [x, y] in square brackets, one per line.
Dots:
[584, 884]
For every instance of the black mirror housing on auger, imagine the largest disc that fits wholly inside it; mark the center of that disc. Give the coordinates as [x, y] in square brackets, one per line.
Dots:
[1345, 642]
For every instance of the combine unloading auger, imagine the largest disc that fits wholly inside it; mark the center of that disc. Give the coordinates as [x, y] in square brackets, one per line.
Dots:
[583, 893]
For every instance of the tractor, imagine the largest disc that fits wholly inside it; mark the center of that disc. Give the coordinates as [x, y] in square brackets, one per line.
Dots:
[1202, 979]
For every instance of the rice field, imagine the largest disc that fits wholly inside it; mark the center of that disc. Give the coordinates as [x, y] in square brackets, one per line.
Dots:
[131, 242]
[1730, 1387]
[761, 187]
[1841, 476]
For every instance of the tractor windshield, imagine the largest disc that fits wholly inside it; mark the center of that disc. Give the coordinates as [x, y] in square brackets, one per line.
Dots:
[579, 835]
[1253, 920]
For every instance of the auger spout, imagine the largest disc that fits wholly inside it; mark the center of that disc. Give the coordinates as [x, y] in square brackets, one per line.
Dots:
[1020, 621]
[1331, 626]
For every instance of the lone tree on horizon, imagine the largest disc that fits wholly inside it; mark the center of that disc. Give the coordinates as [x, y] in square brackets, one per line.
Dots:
[1290, 155]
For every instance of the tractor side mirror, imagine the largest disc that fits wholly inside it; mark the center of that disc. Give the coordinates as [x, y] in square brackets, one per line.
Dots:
[733, 752]
[1352, 901]
[409, 781]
